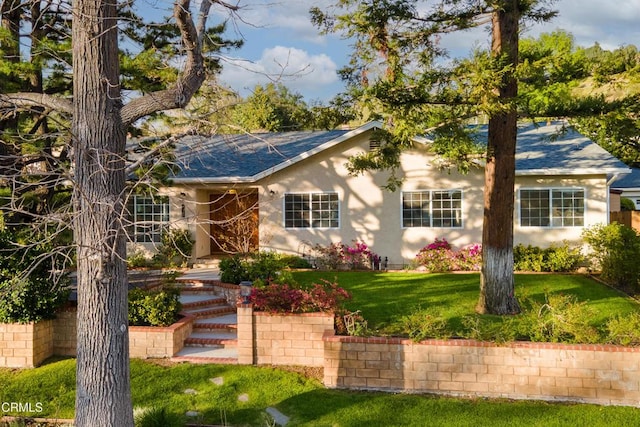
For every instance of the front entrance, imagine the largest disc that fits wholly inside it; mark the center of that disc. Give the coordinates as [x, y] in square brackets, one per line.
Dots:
[234, 222]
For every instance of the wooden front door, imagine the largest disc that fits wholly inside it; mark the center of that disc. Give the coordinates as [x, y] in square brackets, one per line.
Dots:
[234, 221]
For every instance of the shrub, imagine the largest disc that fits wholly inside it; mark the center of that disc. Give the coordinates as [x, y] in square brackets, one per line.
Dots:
[29, 288]
[439, 257]
[175, 248]
[138, 259]
[627, 204]
[480, 329]
[624, 330]
[556, 258]
[262, 266]
[528, 258]
[283, 298]
[154, 308]
[560, 318]
[423, 324]
[615, 250]
[233, 270]
[358, 256]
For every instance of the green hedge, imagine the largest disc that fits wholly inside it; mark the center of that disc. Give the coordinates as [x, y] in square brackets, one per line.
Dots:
[154, 308]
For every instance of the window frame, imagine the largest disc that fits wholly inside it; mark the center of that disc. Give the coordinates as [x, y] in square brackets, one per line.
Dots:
[147, 227]
[431, 215]
[310, 210]
[550, 200]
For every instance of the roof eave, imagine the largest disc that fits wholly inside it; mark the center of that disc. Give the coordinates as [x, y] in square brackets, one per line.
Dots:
[561, 171]
[209, 180]
[305, 155]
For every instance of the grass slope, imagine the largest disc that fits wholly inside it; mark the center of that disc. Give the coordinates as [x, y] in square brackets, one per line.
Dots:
[384, 298]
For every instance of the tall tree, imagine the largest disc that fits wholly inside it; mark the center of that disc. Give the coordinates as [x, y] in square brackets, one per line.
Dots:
[396, 66]
[100, 121]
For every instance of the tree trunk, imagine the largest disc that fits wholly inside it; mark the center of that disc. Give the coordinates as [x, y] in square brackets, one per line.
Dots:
[497, 281]
[103, 396]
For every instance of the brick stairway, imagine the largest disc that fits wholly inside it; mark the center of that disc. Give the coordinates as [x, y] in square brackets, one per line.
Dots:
[214, 338]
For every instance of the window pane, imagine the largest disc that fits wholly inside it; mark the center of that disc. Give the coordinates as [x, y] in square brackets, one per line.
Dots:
[296, 210]
[534, 208]
[447, 208]
[416, 209]
[148, 217]
[552, 208]
[311, 210]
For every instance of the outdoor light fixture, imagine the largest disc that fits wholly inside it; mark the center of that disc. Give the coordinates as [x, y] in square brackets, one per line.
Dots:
[245, 291]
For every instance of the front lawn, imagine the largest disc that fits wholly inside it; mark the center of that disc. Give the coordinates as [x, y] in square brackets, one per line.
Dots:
[385, 298]
[239, 395]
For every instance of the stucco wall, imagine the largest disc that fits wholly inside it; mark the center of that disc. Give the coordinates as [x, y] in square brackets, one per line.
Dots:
[372, 214]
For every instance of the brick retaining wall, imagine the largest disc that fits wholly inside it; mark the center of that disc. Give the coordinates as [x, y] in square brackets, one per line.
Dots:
[281, 339]
[25, 345]
[601, 374]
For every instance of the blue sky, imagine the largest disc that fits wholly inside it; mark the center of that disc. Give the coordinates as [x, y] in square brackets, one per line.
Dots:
[282, 45]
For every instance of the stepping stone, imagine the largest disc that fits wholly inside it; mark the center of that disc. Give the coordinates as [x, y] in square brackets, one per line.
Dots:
[190, 391]
[217, 380]
[244, 397]
[278, 417]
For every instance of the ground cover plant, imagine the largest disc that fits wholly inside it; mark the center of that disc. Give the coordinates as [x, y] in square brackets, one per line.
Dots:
[388, 300]
[170, 391]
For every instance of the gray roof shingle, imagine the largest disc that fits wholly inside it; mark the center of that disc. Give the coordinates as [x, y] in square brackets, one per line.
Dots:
[542, 149]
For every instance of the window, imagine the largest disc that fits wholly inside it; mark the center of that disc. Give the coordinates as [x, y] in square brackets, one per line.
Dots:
[148, 216]
[554, 207]
[311, 210]
[437, 209]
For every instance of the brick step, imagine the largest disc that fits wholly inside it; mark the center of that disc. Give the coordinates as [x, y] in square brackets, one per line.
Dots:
[198, 290]
[206, 360]
[212, 327]
[211, 342]
[212, 311]
[204, 303]
[207, 355]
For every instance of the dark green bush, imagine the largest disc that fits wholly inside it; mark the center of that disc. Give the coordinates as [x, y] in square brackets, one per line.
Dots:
[175, 248]
[154, 308]
[30, 288]
[627, 204]
[261, 266]
[233, 269]
[615, 250]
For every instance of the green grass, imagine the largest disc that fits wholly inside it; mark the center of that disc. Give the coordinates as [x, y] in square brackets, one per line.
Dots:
[301, 398]
[384, 298]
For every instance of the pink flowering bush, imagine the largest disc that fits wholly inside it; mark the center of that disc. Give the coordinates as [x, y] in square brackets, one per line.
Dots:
[326, 297]
[358, 256]
[439, 257]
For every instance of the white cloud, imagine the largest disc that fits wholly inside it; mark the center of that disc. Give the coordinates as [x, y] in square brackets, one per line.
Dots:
[295, 68]
[291, 15]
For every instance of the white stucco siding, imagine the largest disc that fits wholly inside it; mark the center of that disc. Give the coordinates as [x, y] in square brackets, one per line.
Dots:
[368, 212]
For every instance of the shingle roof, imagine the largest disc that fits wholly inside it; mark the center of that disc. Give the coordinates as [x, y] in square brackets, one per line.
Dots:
[628, 181]
[247, 158]
[555, 149]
